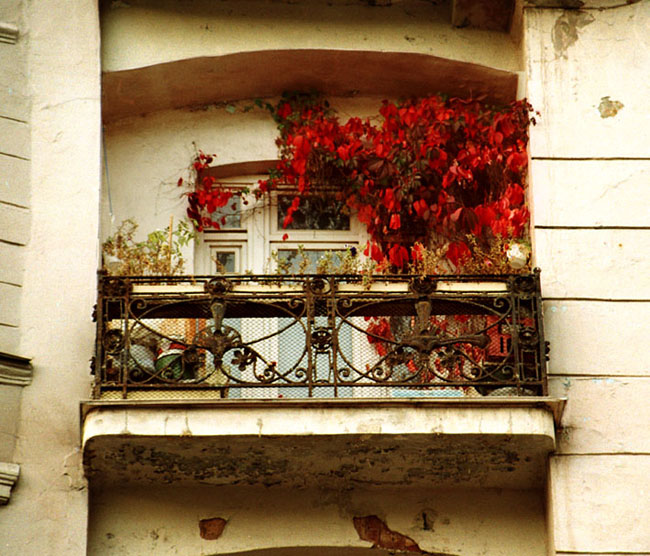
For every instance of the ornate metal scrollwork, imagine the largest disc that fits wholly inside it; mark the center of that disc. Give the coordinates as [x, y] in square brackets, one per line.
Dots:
[525, 285]
[423, 285]
[428, 341]
[113, 341]
[321, 339]
[218, 310]
[528, 336]
[219, 340]
[327, 337]
[243, 357]
[218, 286]
[317, 285]
[114, 286]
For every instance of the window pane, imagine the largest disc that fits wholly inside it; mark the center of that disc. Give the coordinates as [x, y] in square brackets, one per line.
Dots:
[314, 213]
[231, 214]
[226, 262]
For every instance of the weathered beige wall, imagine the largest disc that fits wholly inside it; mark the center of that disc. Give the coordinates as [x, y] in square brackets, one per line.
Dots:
[146, 156]
[590, 155]
[48, 509]
[14, 171]
[14, 223]
[587, 75]
[147, 32]
[141, 520]
[9, 414]
[161, 55]
[579, 64]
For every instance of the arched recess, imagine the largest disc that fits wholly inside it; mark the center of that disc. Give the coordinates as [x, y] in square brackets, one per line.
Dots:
[207, 80]
[317, 551]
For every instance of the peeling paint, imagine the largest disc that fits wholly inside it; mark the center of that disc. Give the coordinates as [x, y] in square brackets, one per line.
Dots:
[451, 460]
[565, 30]
[426, 519]
[212, 528]
[372, 529]
[609, 108]
[73, 470]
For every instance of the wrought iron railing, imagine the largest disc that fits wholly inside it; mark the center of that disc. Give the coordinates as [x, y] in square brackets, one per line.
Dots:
[319, 336]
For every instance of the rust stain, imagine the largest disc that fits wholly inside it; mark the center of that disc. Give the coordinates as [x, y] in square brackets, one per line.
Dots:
[565, 30]
[372, 529]
[609, 108]
[212, 528]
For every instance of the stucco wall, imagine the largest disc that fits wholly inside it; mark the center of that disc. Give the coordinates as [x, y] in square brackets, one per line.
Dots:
[14, 220]
[147, 32]
[587, 74]
[14, 170]
[48, 508]
[489, 522]
[590, 167]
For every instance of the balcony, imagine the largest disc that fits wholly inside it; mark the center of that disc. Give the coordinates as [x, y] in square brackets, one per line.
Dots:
[252, 337]
[288, 380]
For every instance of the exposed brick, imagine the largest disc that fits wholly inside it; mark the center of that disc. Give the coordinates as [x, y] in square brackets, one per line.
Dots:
[374, 530]
[371, 528]
[212, 528]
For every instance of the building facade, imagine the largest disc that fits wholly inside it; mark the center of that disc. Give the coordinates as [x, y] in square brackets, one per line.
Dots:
[101, 108]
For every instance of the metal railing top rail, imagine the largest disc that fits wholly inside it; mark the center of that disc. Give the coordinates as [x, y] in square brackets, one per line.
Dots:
[354, 278]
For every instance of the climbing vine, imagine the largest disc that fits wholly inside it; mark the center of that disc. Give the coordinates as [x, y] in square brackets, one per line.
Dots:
[435, 174]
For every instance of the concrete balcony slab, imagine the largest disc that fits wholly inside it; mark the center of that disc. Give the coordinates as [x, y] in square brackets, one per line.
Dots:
[298, 443]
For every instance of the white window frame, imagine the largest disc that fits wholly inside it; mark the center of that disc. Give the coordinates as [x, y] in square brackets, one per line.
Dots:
[239, 240]
[260, 235]
[206, 261]
[336, 240]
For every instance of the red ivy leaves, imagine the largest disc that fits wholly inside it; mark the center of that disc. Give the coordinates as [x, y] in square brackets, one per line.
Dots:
[373, 251]
[208, 195]
[433, 166]
[378, 331]
[398, 255]
[457, 252]
[288, 219]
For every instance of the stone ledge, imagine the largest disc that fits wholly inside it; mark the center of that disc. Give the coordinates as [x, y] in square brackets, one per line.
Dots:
[9, 473]
[8, 33]
[474, 443]
[15, 370]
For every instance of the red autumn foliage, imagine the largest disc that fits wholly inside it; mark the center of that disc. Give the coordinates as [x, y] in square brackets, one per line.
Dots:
[378, 332]
[433, 167]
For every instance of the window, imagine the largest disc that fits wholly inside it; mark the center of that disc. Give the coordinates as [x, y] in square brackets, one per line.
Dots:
[252, 238]
[224, 250]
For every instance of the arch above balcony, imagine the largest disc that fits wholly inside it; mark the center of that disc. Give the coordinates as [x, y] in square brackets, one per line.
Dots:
[202, 81]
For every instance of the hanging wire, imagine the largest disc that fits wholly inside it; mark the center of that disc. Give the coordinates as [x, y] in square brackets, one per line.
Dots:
[108, 181]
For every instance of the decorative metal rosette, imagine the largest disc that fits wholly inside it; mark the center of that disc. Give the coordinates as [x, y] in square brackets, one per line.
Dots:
[423, 285]
[218, 286]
